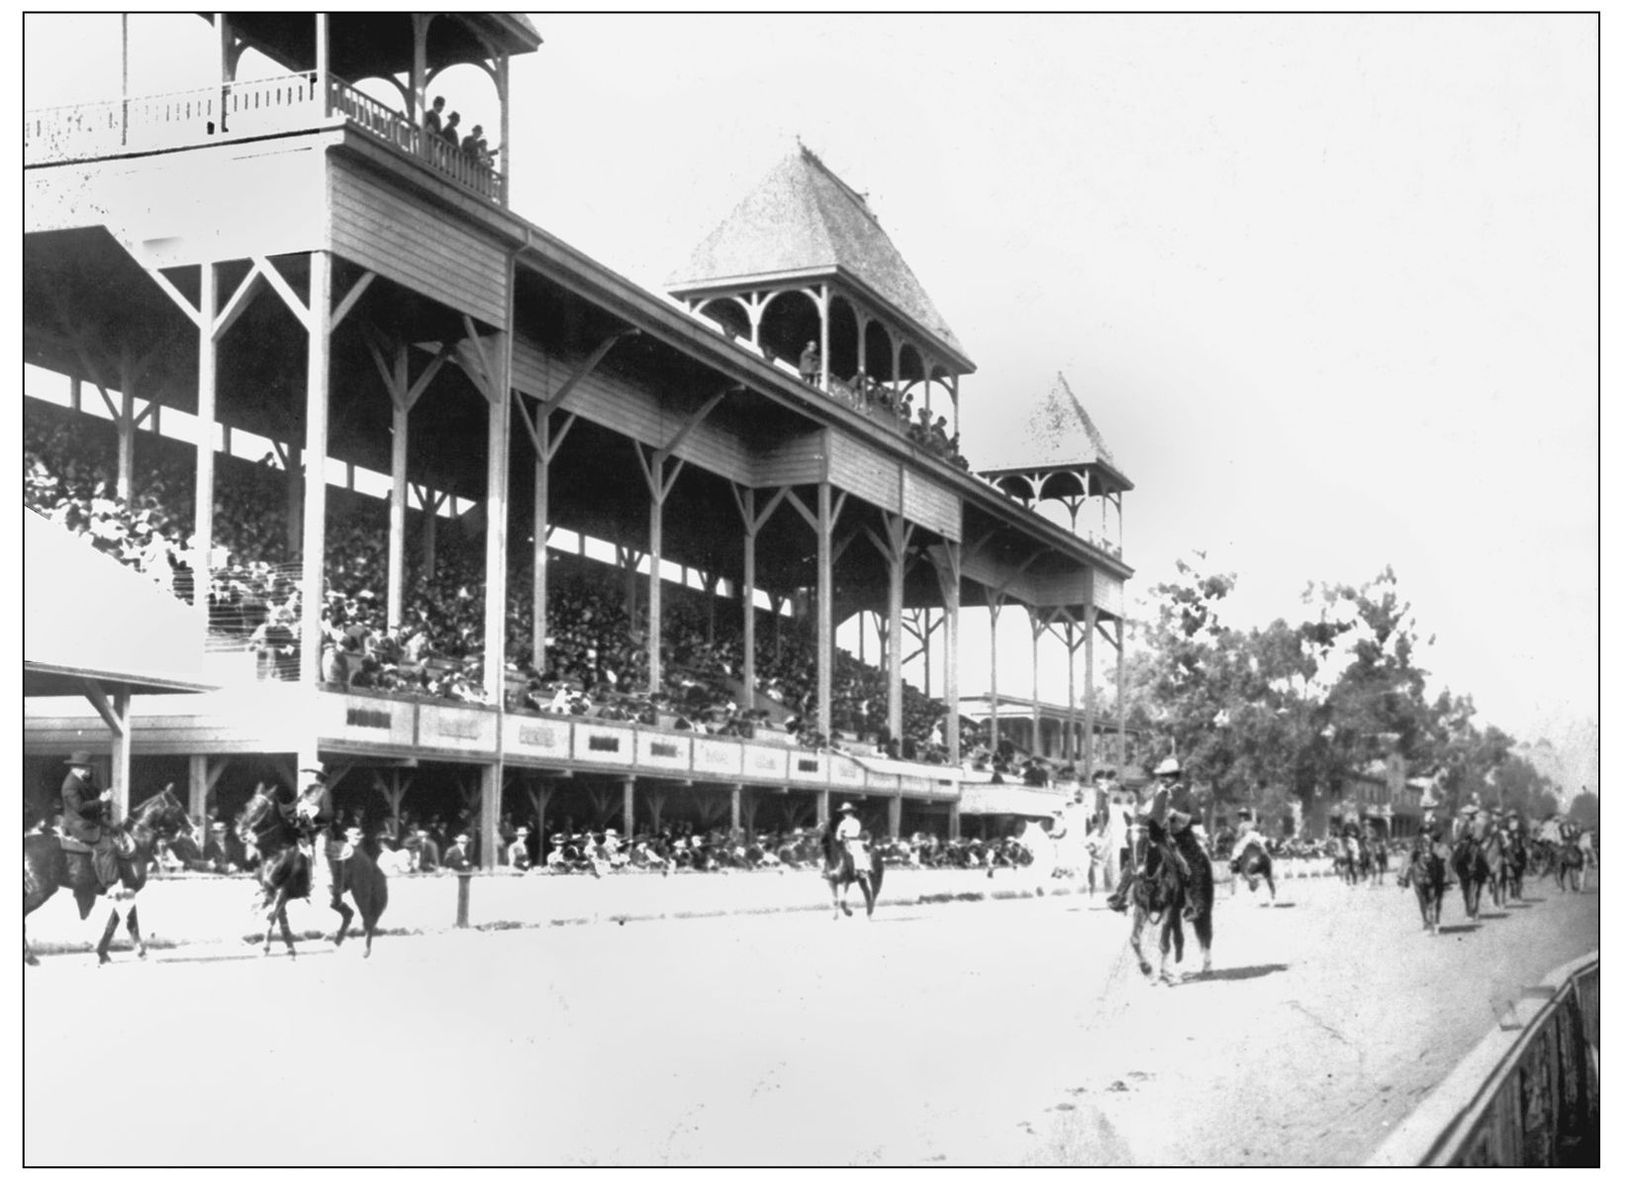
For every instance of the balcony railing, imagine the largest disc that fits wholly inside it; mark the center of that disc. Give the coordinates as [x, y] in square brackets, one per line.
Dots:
[287, 103]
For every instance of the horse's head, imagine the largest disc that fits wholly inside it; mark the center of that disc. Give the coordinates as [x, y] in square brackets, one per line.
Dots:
[162, 814]
[258, 815]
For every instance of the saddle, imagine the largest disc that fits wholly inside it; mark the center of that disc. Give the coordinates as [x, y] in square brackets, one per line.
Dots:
[123, 848]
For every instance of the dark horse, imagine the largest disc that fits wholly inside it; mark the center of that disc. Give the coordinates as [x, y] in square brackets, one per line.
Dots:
[840, 873]
[48, 866]
[1428, 873]
[1470, 865]
[1158, 897]
[1515, 863]
[285, 873]
[1254, 866]
[1570, 863]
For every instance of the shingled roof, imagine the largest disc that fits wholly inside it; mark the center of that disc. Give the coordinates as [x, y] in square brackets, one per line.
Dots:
[803, 220]
[1059, 432]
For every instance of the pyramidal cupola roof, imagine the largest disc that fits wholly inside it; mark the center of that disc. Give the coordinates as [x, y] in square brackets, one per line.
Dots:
[804, 221]
[1059, 433]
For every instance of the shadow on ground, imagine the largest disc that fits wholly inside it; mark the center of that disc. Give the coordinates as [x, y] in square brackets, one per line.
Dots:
[1245, 973]
[1456, 929]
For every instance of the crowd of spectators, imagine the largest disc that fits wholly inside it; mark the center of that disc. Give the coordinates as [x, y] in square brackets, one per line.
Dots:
[596, 658]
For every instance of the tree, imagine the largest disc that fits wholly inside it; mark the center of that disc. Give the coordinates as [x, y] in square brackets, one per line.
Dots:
[1585, 809]
[1518, 786]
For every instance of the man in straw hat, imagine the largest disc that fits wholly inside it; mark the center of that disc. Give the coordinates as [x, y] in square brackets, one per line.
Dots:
[86, 816]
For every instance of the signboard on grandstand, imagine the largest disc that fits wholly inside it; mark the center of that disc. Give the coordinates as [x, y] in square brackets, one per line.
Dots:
[759, 761]
[457, 729]
[847, 772]
[662, 749]
[365, 719]
[808, 766]
[544, 739]
[602, 744]
[720, 756]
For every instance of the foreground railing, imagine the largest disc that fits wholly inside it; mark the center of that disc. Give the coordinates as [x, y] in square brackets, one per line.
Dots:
[189, 118]
[1533, 1100]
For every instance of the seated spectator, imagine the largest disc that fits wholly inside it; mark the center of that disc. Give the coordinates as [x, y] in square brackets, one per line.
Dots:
[220, 853]
[460, 858]
[393, 861]
[426, 853]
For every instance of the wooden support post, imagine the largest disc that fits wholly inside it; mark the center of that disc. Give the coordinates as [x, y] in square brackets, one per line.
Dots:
[653, 606]
[1090, 709]
[491, 806]
[735, 809]
[316, 459]
[994, 684]
[822, 808]
[540, 530]
[946, 561]
[1119, 689]
[955, 819]
[748, 505]
[203, 498]
[823, 618]
[395, 583]
[1034, 686]
[895, 815]
[628, 784]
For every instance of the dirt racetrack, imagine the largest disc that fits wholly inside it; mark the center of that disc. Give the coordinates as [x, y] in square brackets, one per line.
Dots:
[966, 1034]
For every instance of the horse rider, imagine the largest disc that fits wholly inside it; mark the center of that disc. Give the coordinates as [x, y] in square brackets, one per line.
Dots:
[1166, 812]
[1248, 836]
[312, 816]
[1429, 839]
[851, 836]
[87, 816]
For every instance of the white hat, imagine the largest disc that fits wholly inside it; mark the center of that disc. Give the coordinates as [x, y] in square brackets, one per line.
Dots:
[1169, 766]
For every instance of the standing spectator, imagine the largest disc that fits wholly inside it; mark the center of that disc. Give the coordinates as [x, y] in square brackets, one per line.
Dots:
[219, 853]
[432, 116]
[450, 132]
[808, 364]
[519, 856]
[474, 146]
[459, 857]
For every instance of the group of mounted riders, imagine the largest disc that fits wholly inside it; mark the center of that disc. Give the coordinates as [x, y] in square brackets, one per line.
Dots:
[295, 841]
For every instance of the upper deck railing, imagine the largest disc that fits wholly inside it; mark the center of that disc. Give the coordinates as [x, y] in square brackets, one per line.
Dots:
[291, 102]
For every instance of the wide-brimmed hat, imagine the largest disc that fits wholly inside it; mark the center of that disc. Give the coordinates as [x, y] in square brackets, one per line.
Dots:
[847, 807]
[558, 839]
[1169, 766]
[461, 838]
[78, 760]
[320, 774]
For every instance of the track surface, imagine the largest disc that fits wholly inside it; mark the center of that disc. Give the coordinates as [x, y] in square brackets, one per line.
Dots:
[967, 1034]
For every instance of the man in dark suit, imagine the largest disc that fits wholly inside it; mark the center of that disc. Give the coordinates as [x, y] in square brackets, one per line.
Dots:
[459, 858]
[220, 853]
[85, 817]
[429, 854]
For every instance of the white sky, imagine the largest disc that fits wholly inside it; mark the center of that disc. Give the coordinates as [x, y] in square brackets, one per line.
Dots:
[1327, 285]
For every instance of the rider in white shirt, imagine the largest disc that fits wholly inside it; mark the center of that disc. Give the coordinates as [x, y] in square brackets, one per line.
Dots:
[1248, 836]
[852, 835]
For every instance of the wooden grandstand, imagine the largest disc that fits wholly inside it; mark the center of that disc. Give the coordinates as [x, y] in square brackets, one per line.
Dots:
[293, 259]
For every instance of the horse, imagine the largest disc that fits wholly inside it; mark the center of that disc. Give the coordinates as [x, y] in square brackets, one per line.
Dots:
[285, 873]
[1348, 861]
[1470, 865]
[1428, 874]
[840, 873]
[1254, 866]
[1569, 862]
[1379, 860]
[1492, 849]
[1159, 897]
[48, 865]
[1515, 864]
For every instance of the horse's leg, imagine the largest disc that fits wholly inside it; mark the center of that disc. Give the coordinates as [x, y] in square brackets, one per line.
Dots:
[345, 913]
[1204, 929]
[1138, 919]
[836, 907]
[107, 934]
[134, 926]
[282, 922]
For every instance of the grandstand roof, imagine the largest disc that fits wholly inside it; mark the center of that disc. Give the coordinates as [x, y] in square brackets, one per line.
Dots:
[804, 221]
[1058, 434]
[85, 615]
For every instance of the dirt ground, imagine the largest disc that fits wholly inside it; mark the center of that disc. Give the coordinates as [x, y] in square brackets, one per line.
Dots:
[986, 1033]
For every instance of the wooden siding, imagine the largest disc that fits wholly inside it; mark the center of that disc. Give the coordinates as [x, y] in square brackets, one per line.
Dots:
[412, 242]
[1108, 593]
[1061, 588]
[865, 472]
[794, 461]
[932, 505]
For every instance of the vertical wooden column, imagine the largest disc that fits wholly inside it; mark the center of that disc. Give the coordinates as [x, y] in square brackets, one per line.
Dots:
[1035, 626]
[418, 82]
[826, 522]
[1071, 733]
[895, 815]
[955, 819]
[491, 802]
[822, 808]
[735, 809]
[994, 602]
[197, 788]
[652, 633]
[497, 534]
[541, 528]
[324, 98]
[627, 806]
[1090, 692]
[314, 534]
[898, 535]
[825, 337]
[120, 774]
[1119, 689]
[203, 497]
[395, 576]
[505, 147]
[950, 589]
[747, 501]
